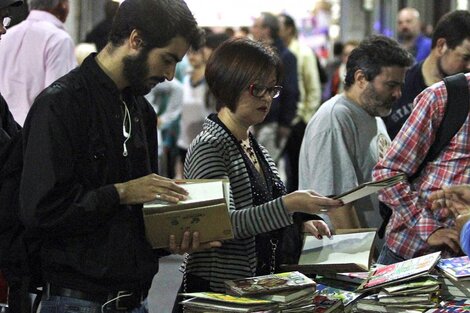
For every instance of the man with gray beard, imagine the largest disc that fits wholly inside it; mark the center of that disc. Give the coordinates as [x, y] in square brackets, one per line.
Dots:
[346, 137]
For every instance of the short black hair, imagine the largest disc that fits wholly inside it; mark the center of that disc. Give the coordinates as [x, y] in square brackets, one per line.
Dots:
[289, 22]
[237, 63]
[374, 53]
[157, 21]
[454, 27]
[215, 39]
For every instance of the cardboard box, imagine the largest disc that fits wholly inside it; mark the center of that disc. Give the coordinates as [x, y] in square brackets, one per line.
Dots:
[206, 211]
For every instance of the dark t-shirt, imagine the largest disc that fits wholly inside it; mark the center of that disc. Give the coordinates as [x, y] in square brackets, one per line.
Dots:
[414, 84]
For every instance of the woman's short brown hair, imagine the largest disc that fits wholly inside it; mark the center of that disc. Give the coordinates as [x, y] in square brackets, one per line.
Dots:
[236, 64]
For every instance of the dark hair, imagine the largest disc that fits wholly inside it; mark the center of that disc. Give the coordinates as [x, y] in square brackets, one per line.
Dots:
[237, 63]
[454, 27]
[215, 39]
[289, 22]
[270, 21]
[372, 54]
[110, 8]
[157, 21]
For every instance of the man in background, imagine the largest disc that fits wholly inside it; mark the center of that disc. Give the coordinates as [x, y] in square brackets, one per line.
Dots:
[346, 137]
[35, 53]
[99, 34]
[310, 95]
[450, 55]
[409, 34]
[275, 130]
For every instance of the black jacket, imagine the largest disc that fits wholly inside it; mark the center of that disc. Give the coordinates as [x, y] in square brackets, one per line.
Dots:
[73, 145]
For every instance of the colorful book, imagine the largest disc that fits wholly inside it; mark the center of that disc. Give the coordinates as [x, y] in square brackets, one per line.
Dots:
[400, 272]
[218, 302]
[347, 297]
[288, 296]
[453, 306]
[456, 268]
[268, 284]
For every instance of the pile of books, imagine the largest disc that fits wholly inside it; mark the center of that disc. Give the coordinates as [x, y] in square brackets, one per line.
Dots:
[289, 292]
[407, 286]
[455, 277]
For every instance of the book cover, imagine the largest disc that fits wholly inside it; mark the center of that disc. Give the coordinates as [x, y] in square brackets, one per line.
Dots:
[268, 283]
[369, 188]
[222, 297]
[288, 296]
[343, 253]
[347, 297]
[399, 272]
[206, 305]
[457, 268]
[348, 277]
[453, 306]
[206, 210]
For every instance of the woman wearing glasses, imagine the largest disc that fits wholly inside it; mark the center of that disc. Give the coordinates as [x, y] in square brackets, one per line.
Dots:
[243, 76]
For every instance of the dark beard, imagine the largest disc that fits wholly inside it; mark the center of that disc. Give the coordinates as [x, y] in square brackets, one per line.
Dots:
[135, 71]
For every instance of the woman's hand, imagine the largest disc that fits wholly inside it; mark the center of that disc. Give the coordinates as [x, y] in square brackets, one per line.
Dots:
[308, 201]
[317, 228]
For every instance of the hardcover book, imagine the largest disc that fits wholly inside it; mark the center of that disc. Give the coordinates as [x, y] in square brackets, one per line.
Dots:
[350, 252]
[369, 188]
[206, 210]
[268, 284]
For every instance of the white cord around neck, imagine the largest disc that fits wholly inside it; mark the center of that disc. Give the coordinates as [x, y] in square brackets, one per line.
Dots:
[125, 133]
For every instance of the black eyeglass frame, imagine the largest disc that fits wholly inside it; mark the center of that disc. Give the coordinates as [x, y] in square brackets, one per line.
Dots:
[274, 91]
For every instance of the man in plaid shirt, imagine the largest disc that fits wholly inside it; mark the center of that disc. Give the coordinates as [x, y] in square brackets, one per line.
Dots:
[414, 229]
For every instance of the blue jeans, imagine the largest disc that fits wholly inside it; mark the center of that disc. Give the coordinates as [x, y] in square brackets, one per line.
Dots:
[387, 256]
[56, 304]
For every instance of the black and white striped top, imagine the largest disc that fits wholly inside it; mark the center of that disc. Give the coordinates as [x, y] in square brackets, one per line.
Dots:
[214, 153]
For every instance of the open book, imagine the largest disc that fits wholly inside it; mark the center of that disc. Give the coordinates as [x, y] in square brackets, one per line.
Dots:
[351, 252]
[206, 210]
[368, 188]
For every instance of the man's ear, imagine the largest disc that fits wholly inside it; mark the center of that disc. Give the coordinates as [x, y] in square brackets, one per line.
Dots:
[135, 41]
[441, 46]
[360, 78]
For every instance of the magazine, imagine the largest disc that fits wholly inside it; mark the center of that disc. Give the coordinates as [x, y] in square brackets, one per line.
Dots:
[399, 272]
[456, 268]
[268, 283]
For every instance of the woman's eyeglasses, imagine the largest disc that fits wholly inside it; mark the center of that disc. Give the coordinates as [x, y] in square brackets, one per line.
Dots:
[6, 21]
[259, 91]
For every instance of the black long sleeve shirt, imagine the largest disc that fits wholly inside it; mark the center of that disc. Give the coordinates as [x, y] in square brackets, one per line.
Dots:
[73, 145]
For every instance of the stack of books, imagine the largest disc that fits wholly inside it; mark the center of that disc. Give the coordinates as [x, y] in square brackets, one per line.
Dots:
[292, 291]
[219, 302]
[407, 286]
[347, 297]
[455, 277]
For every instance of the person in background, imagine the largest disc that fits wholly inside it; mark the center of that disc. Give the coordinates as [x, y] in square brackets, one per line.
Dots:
[43, 52]
[90, 162]
[455, 201]
[166, 99]
[244, 76]
[193, 108]
[410, 36]
[336, 84]
[346, 137]
[450, 55]
[99, 34]
[274, 131]
[310, 96]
